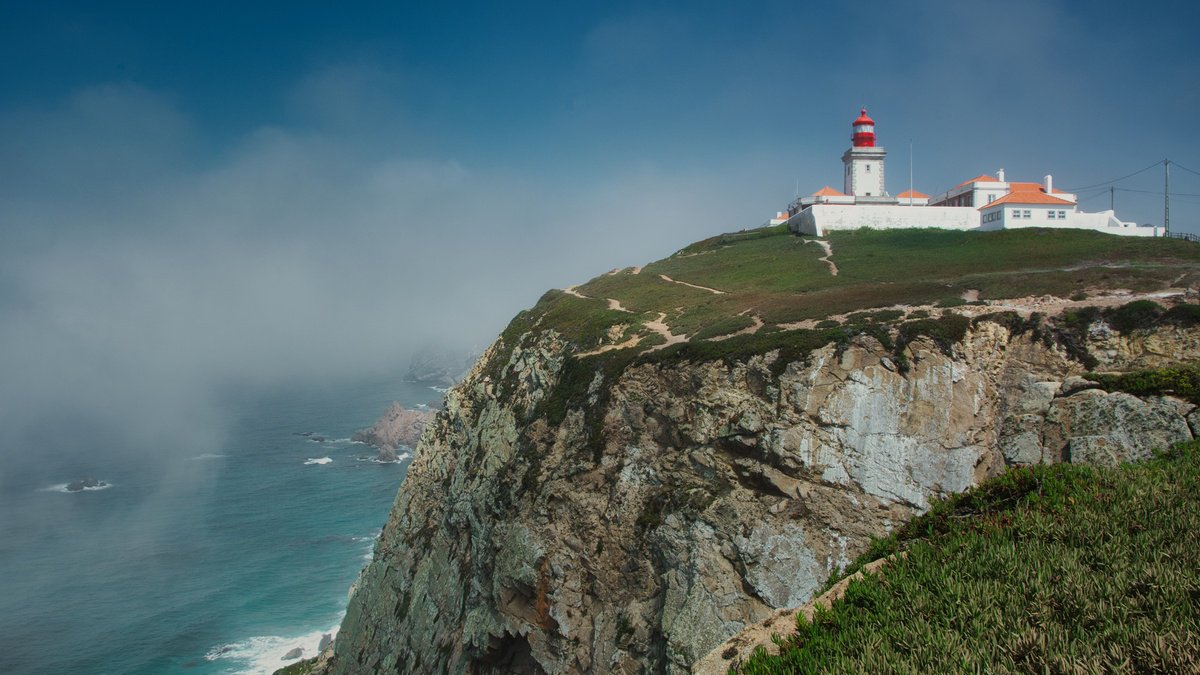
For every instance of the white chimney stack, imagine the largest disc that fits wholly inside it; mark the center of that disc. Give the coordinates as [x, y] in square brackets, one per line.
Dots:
[1049, 184]
[1000, 175]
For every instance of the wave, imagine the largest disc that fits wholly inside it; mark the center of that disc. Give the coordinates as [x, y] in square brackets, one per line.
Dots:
[62, 487]
[440, 390]
[369, 554]
[207, 456]
[318, 460]
[264, 654]
[400, 458]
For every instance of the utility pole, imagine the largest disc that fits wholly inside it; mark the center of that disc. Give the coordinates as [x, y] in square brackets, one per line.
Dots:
[1167, 198]
[1112, 198]
[910, 177]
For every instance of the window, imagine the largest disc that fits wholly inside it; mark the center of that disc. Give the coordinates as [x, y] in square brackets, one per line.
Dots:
[868, 168]
[1053, 215]
[1025, 214]
[1062, 214]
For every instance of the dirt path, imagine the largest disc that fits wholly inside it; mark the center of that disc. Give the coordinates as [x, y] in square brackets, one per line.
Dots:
[833, 270]
[615, 304]
[570, 290]
[658, 326]
[631, 342]
[748, 330]
[684, 283]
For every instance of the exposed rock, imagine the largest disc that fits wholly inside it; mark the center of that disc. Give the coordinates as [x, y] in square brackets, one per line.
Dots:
[398, 426]
[293, 654]
[326, 640]
[1193, 420]
[1092, 426]
[84, 484]
[675, 504]
[1075, 383]
[386, 454]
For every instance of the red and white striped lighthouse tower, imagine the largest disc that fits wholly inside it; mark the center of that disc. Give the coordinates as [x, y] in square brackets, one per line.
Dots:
[864, 161]
[864, 131]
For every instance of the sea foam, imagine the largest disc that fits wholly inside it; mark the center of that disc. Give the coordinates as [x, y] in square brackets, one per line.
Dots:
[62, 487]
[318, 460]
[263, 654]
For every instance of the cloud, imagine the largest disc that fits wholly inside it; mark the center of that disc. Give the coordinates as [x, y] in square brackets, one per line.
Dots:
[142, 280]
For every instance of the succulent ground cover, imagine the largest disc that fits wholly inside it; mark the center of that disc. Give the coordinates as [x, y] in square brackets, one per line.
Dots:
[1058, 568]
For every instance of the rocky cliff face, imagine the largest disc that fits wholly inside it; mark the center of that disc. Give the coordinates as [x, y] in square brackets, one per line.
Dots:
[685, 500]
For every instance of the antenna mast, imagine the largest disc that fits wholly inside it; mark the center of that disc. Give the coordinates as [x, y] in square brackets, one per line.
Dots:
[1167, 197]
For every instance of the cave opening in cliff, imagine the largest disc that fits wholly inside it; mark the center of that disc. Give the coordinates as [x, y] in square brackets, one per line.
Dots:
[509, 654]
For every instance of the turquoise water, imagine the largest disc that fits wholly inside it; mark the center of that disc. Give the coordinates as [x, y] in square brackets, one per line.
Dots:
[214, 563]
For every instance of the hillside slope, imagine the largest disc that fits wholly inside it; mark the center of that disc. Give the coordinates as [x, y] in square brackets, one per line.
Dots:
[589, 502]
[1052, 568]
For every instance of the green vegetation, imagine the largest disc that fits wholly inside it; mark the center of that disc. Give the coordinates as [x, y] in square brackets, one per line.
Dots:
[1054, 569]
[299, 668]
[1182, 382]
[778, 277]
[726, 326]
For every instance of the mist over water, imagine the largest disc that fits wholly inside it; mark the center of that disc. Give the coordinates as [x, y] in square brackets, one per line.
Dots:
[237, 555]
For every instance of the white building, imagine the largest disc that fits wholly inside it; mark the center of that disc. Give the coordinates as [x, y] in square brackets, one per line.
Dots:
[982, 203]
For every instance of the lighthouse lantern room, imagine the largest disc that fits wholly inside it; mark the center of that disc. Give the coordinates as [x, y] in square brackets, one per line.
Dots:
[864, 161]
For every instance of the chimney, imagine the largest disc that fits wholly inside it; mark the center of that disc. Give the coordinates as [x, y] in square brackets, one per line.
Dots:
[1049, 184]
[1000, 175]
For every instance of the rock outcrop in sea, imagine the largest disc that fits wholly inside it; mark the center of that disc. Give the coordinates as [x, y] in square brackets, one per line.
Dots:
[398, 426]
[667, 504]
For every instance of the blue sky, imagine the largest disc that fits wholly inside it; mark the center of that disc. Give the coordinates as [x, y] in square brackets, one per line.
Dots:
[199, 196]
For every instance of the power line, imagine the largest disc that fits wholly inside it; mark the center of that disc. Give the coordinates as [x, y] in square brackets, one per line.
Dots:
[1185, 168]
[1117, 180]
[1157, 192]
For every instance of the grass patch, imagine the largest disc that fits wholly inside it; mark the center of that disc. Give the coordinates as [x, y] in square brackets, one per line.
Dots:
[1057, 568]
[1182, 382]
[730, 324]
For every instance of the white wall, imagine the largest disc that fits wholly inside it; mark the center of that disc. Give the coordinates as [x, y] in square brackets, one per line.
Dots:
[820, 218]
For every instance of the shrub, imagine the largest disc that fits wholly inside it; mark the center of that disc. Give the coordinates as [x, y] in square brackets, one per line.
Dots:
[1182, 315]
[1183, 382]
[1139, 314]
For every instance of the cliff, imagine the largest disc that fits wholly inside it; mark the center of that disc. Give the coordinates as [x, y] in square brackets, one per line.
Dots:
[589, 501]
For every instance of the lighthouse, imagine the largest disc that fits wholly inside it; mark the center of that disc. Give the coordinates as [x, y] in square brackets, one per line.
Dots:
[864, 161]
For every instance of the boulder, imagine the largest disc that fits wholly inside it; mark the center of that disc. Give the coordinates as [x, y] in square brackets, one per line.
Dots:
[1107, 429]
[386, 454]
[293, 654]
[398, 426]
[1075, 384]
[326, 640]
[83, 483]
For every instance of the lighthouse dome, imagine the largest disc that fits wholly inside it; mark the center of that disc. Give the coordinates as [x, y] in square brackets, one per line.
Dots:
[863, 119]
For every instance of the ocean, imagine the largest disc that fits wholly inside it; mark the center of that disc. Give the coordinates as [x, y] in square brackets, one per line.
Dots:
[221, 563]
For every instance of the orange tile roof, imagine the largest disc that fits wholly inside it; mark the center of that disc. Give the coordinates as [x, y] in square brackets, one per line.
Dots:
[982, 178]
[1027, 197]
[912, 193]
[827, 192]
[1023, 186]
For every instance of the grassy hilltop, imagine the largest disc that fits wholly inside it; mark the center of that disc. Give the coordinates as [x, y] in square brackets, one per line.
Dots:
[730, 283]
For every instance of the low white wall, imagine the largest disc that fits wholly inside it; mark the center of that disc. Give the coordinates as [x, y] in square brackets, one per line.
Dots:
[1104, 221]
[820, 218]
